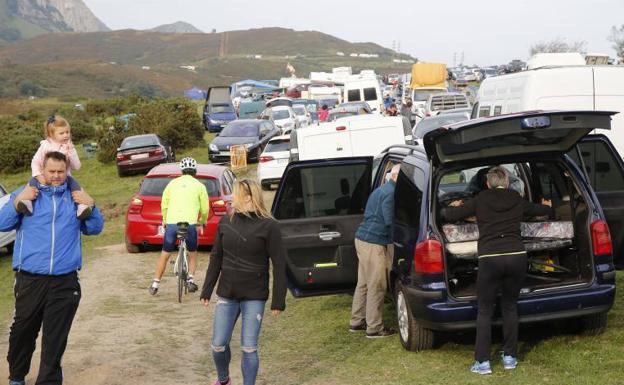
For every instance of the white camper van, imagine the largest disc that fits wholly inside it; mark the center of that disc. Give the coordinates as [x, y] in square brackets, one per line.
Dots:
[357, 135]
[364, 90]
[580, 87]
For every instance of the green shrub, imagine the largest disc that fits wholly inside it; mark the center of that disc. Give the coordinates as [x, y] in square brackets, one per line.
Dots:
[113, 107]
[109, 138]
[82, 127]
[19, 143]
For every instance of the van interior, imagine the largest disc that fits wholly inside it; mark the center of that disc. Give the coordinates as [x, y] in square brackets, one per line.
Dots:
[558, 248]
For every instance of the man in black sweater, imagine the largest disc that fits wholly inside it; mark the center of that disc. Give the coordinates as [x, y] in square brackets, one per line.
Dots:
[502, 261]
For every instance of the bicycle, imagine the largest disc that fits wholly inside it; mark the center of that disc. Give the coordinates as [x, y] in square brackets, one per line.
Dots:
[180, 268]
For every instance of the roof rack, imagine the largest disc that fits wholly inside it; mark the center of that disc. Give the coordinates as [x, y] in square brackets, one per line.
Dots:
[416, 147]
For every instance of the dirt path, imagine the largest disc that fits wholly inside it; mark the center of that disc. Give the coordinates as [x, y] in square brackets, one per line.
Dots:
[121, 335]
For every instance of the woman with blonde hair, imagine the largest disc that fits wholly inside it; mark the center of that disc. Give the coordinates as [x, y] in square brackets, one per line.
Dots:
[245, 242]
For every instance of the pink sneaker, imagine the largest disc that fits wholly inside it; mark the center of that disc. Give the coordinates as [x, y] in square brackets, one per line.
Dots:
[217, 382]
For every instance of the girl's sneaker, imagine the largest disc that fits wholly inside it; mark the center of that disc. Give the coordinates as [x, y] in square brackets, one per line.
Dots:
[509, 362]
[217, 382]
[481, 367]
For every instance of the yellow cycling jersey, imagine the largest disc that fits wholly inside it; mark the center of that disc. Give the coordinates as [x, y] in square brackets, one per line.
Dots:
[185, 199]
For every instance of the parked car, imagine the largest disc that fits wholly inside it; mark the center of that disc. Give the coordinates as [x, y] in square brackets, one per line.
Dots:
[218, 109]
[431, 123]
[7, 239]
[141, 152]
[273, 161]
[320, 204]
[282, 116]
[144, 215]
[302, 115]
[254, 134]
[311, 105]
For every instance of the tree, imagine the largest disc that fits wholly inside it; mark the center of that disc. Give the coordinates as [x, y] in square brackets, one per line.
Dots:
[617, 38]
[558, 45]
[28, 88]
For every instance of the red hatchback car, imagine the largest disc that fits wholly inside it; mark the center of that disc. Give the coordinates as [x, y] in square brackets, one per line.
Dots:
[144, 218]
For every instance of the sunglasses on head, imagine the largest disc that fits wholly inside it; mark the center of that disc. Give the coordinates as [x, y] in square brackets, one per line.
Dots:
[51, 119]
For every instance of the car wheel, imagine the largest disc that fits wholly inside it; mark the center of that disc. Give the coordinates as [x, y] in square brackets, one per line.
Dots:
[414, 337]
[120, 173]
[132, 248]
[594, 324]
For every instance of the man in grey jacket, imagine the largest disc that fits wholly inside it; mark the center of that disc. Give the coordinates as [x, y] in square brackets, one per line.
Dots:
[373, 243]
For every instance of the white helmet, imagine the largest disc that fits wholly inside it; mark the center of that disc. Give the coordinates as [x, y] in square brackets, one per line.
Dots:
[188, 163]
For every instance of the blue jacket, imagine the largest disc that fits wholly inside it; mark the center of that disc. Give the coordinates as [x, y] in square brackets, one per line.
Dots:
[48, 242]
[378, 216]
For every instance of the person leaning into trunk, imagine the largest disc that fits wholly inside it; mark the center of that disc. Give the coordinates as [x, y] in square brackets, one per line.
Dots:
[373, 244]
[502, 261]
[46, 258]
[245, 242]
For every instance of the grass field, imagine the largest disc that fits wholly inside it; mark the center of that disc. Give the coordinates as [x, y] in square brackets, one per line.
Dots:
[310, 342]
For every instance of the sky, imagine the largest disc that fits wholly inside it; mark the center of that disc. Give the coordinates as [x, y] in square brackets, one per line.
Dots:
[485, 32]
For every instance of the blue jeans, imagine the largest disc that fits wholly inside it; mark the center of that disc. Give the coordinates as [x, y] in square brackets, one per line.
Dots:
[226, 315]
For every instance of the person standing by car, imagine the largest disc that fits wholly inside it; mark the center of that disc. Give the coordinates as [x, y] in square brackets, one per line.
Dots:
[406, 110]
[185, 199]
[373, 244]
[46, 261]
[502, 261]
[245, 242]
[323, 113]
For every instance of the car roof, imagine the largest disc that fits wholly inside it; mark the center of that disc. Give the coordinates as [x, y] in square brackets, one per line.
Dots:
[140, 136]
[281, 137]
[246, 121]
[277, 108]
[173, 169]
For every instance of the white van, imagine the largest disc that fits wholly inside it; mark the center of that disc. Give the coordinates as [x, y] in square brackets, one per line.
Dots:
[357, 135]
[581, 87]
[364, 90]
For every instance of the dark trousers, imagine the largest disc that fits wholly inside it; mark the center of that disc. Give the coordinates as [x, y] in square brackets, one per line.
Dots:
[504, 272]
[50, 301]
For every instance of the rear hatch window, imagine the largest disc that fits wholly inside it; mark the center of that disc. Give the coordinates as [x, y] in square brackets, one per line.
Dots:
[278, 145]
[448, 102]
[156, 186]
[136, 142]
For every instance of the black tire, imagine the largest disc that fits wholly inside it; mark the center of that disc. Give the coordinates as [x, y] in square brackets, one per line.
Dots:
[132, 248]
[182, 272]
[414, 337]
[594, 324]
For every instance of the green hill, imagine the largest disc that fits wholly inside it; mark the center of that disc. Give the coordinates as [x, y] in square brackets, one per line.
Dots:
[103, 64]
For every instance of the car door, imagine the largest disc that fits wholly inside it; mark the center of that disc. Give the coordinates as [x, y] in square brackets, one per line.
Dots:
[319, 205]
[604, 170]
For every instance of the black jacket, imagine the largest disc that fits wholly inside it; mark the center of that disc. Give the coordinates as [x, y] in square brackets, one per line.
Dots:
[499, 214]
[240, 257]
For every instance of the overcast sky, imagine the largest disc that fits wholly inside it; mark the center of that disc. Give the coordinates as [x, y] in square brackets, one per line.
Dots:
[486, 31]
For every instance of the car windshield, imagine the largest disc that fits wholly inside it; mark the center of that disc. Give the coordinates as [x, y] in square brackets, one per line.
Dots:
[139, 141]
[422, 95]
[217, 108]
[340, 114]
[156, 186]
[299, 110]
[240, 129]
[280, 114]
[430, 124]
[278, 145]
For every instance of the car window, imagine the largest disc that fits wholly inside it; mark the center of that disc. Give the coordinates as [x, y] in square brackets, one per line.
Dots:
[473, 180]
[370, 93]
[484, 111]
[229, 179]
[408, 196]
[324, 191]
[238, 129]
[156, 186]
[281, 114]
[278, 145]
[299, 110]
[602, 168]
[139, 141]
[220, 108]
[497, 110]
[353, 95]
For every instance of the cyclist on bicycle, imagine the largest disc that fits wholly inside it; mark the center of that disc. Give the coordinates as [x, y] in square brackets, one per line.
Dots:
[185, 199]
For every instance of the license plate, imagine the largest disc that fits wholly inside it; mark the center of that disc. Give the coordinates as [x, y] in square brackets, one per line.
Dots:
[282, 161]
[139, 156]
[224, 153]
[161, 230]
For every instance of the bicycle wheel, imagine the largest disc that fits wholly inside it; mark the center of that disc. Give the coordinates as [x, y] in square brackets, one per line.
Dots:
[181, 273]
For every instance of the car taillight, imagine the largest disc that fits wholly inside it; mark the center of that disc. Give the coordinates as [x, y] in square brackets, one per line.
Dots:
[219, 207]
[265, 158]
[135, 206]
[157, 151]
[121, 157]
[601, 238]
[428, 257]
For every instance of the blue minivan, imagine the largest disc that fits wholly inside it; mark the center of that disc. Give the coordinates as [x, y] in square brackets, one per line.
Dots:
[218, 110]
[570, 273]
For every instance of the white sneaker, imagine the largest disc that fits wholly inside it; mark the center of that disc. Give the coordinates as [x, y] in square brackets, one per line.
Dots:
[25, 207]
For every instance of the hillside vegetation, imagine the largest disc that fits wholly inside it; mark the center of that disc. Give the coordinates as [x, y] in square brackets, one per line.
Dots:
[119, 63]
